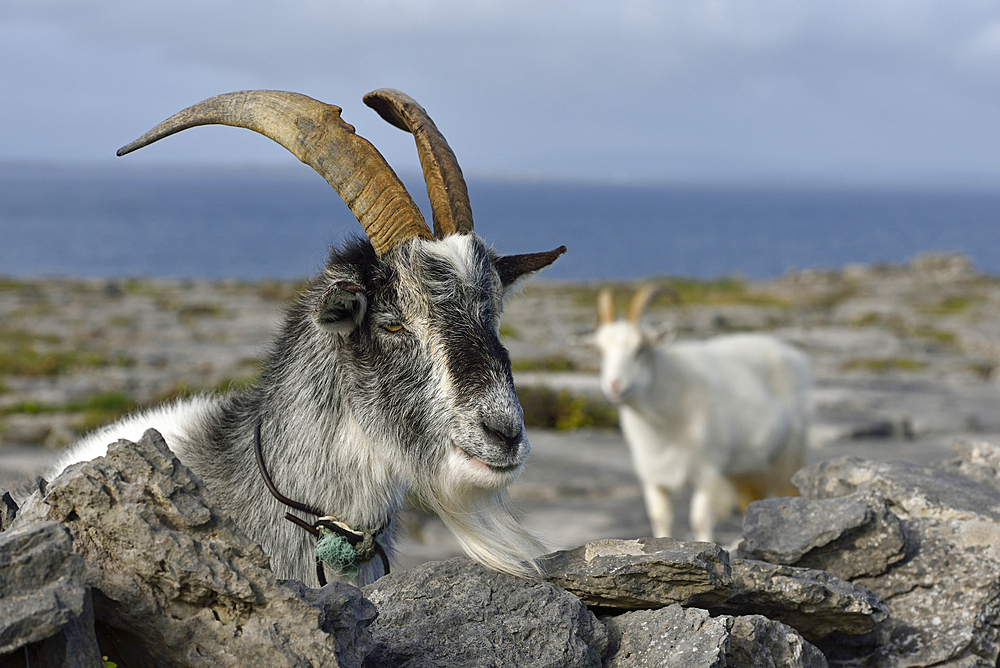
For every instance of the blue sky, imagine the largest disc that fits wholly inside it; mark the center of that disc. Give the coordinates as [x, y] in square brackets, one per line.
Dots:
[842, 91]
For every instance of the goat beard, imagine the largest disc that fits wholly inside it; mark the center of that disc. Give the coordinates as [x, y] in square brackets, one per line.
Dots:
[482, 521]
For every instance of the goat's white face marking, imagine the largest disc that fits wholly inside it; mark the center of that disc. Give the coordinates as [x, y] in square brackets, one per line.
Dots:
[429, 369]
[622, 345]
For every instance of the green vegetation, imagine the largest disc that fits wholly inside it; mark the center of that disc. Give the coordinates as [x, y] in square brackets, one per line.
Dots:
[896, 324]
[831, 299]
[691, 291]
[983, 370]
[942, 336]
[189, 312]
[508, 332]
[96, 410]
[27, 361]
[557, 363]
[26, 354]
[883, 364]
[563, 410]
[949, 305]
[279, 291]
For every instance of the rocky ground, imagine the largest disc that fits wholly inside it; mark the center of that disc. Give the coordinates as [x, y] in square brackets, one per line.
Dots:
[905, 360]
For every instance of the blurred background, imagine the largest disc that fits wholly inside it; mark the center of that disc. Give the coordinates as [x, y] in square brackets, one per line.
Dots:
[825, 171]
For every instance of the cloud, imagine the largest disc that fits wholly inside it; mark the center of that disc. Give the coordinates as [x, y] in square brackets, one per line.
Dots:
[633, 89]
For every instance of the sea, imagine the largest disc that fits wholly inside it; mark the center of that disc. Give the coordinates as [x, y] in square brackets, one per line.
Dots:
[254, 223]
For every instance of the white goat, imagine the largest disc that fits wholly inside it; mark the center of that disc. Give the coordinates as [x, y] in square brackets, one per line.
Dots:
[388, 374]
[727, 416]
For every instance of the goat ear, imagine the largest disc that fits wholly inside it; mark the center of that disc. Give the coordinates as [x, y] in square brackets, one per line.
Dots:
[513, 267]
[342, 308]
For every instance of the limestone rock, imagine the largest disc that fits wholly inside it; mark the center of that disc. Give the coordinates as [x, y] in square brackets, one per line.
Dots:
[976, 460]
[815, 603]
[656, 572]
[691, 638]
[944, 597]
[670, 636]
[848, 536]
[643, 573]
[45, 608]
[175, 581]
[764, 643]
[344, 613]
[458, 613]
[8, 509]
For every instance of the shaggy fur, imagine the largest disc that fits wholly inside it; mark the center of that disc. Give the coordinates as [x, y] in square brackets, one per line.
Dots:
[388, 376]
[728, 416]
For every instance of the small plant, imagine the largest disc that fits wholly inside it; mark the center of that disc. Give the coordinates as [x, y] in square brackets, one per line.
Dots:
[557, 363]
[884, 364]
[948, 305]
[560, 409]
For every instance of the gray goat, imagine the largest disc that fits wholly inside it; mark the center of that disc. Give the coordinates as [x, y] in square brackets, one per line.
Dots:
[388, 374]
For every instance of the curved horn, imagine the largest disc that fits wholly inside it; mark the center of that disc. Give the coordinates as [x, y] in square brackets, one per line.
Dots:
[605, 306]
[316, 135]
[644, 297]
[445, 184]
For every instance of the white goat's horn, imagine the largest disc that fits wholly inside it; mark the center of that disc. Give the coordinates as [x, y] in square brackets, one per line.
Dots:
[605, 306]
[645, 295]
[314, 132]
[445, 184]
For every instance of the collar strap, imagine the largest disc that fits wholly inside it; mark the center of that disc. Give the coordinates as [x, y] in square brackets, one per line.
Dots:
[333, 536]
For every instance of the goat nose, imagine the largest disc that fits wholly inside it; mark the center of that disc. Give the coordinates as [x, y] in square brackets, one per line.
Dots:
[508, 435]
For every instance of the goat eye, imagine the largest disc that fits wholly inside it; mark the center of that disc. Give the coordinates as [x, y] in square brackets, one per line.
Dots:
[393, 327]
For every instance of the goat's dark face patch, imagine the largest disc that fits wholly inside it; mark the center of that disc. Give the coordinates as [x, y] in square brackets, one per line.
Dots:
[426, 370]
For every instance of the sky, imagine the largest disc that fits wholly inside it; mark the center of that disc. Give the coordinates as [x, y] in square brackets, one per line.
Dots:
[814, 91]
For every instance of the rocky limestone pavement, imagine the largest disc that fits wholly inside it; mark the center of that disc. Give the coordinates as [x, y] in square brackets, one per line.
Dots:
[925, 539]
[877, 564]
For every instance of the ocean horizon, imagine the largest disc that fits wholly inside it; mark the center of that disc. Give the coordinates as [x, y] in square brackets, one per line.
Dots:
[279, 222]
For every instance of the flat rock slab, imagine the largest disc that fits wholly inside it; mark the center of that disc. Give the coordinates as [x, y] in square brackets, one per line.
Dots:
[815, 603]
[643, 573]
[650, 573]
[458, 613]
[849, 536]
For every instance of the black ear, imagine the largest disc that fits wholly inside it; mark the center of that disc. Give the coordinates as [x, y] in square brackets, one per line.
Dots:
[513, 267]
[342, 308]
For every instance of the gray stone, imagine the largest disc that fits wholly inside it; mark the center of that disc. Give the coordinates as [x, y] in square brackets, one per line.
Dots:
[643, 573]
[690, 638]
[815, 603]
[911, 489]
[45, 608]
[944, 597]
[620, 575]
[344, 613]
[976, 460]
[849, 536]
[764, 643]
[176, 582]
[8, 509]
[671, 636]
[458, 613]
